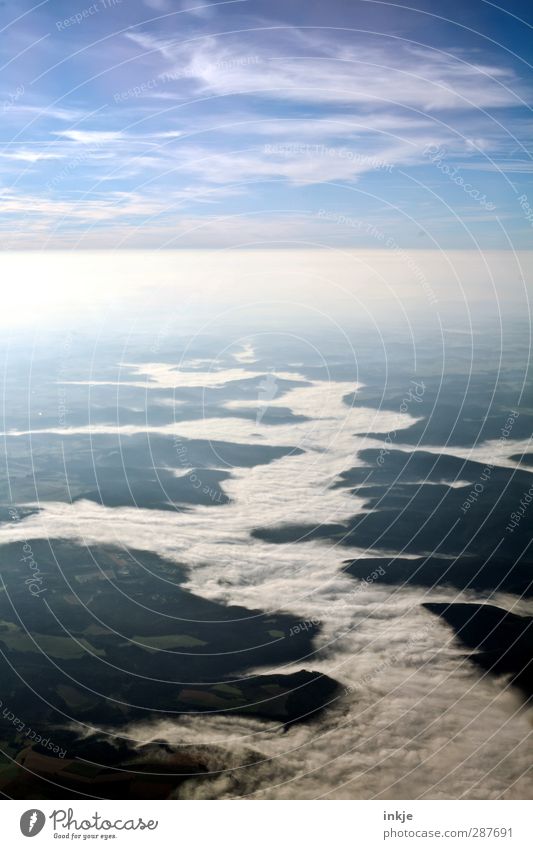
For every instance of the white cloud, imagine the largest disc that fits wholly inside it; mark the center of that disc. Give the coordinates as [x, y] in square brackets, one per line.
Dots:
[30, 156]
[427, 724]
[94, 137]
[297, 162]
[152, 43]
[44, 111]
[399, 75]
[113, 205]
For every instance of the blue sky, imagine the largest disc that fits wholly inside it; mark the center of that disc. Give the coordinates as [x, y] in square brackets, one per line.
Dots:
[343, 123]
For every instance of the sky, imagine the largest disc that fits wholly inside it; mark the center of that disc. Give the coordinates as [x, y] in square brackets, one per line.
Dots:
[351, 123]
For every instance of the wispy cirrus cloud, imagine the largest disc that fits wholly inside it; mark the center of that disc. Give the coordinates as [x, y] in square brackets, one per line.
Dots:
[328, 72]
[30, 156]
[89, 136]
[231, 101]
